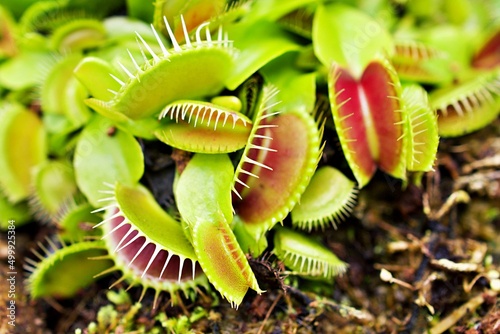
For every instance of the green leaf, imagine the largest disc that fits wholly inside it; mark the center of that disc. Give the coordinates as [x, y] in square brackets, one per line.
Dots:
[25, 70]
[103, 158]
[63, 94]
[259, 43]
[53, 187]
[139, 9]
[348, 37]
[297, 90]
[19, 213]
[94, 74]
[274, 9]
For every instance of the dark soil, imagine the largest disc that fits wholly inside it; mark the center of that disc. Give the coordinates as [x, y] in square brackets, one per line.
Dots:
[439, 241]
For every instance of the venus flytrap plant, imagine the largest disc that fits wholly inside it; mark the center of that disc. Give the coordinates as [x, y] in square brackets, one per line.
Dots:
[42, 18]
[62, 26]
[258, 44]
[193, 13]
[488, 55]
[45, 16]
[464, 98]
[78, 35]
[8, 44]
[299, 21]
[22, 73]
[75, 222]
[19, 212]
[364, 92]
[297, 90]
[249, 162]
[375, 125]
[348, 37]
[250, 93]
[90, 68]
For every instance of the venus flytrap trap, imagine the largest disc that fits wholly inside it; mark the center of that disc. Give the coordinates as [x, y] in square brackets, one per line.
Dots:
[417, 62]
[203, 194]
[305, 256]
[64, 26]
[275, 169]
[468, 106]
[328, 199]
[368, 115]
[204, 127]
[54, 187]
[487, 56]
[78, 35]
[45, 277]
[364, 93]
[465, 77]
[193, 13]
[19, 212]
[195, 70]
[421, 128]
[75, 222]
[147, 245]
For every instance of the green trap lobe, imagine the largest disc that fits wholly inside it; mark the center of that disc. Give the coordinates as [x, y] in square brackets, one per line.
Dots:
[368, 118]
[290, 161]
[387, 118]
[204, 128]
[190, 74]
[145, 214]
[351, 126]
